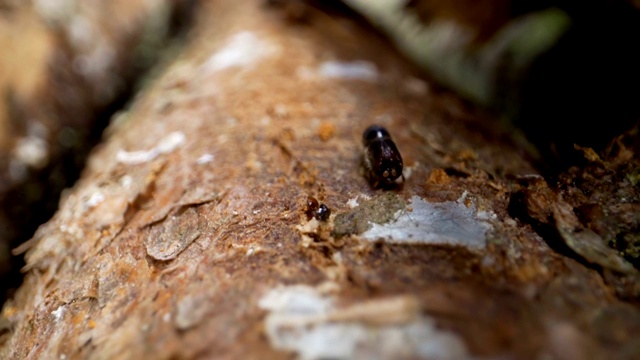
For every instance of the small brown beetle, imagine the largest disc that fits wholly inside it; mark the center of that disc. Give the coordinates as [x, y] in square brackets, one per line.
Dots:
[382, 159]
[311, 208]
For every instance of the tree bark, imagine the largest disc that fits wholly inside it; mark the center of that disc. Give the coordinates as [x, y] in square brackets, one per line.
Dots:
[68, 65]
[188, 236]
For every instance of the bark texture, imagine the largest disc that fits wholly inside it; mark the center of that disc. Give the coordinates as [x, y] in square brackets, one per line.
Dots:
[65, 63]
[187, 235]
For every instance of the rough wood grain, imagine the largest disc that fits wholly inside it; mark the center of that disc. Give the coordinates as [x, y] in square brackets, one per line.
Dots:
[187, 236]
[64, 66]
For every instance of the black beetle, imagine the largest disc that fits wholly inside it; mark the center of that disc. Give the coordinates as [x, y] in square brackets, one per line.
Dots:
[382, 159]
[323, 213]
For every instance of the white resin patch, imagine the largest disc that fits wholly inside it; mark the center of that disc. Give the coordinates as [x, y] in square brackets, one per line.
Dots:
[434, 223]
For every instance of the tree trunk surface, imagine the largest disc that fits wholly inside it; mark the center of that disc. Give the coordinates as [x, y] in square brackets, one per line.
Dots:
[68, 65]
[189, 235]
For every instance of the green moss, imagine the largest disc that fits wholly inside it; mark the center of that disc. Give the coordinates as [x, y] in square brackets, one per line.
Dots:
[632, 246]
[380, 209]
[634, 176]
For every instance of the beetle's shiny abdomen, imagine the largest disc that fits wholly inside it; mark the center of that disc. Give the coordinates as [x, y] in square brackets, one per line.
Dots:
[381, 156]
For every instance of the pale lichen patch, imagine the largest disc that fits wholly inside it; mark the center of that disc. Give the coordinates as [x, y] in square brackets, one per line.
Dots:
[349, 70]
[204, 159]
[242, 49]
[58, 313]
[353, 202]
[379, 209]
[95, 199]
[166, 145]
[32, 151]
[307, 321]
[448, 222]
